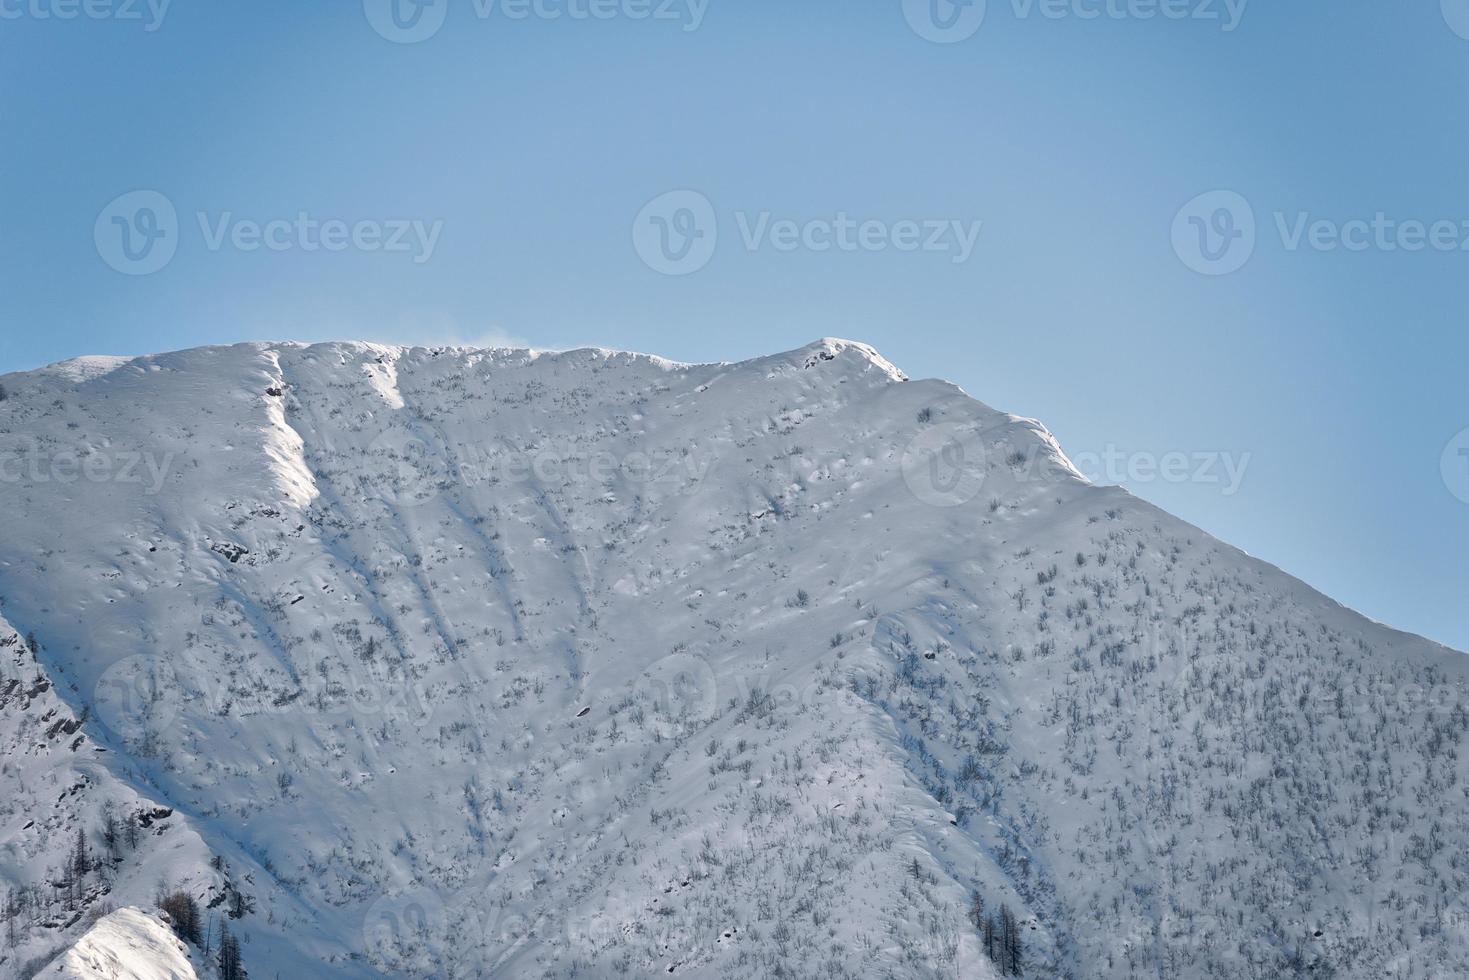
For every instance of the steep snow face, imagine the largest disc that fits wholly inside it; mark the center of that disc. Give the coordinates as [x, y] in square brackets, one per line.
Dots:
[497, 663]
[124, 945]
[57, 783]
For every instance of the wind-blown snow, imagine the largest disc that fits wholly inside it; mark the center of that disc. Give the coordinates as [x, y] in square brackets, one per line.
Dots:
[124, 945]
[502, 663]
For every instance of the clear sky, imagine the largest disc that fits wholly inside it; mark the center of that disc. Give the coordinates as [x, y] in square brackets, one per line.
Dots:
[483, 171]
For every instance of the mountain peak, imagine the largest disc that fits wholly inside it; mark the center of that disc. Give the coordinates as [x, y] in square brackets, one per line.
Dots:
[462, 662]
[851, 351]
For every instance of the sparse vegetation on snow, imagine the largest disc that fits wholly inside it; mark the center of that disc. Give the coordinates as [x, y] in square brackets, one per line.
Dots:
[452, 663]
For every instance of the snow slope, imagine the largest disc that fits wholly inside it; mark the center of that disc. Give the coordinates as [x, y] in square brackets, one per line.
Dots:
[56, 782]
[124, 945]
[501, 663]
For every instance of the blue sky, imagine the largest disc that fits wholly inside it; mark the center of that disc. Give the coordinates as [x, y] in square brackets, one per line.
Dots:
[1011, 202]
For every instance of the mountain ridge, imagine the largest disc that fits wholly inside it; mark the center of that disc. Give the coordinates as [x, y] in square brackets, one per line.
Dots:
[546, 644]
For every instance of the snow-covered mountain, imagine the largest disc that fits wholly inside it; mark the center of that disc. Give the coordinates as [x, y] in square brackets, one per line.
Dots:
[462, 663]
[125, 945]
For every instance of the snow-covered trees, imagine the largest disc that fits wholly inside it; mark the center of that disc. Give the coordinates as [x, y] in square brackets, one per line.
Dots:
[231, 966]
[183, 914]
